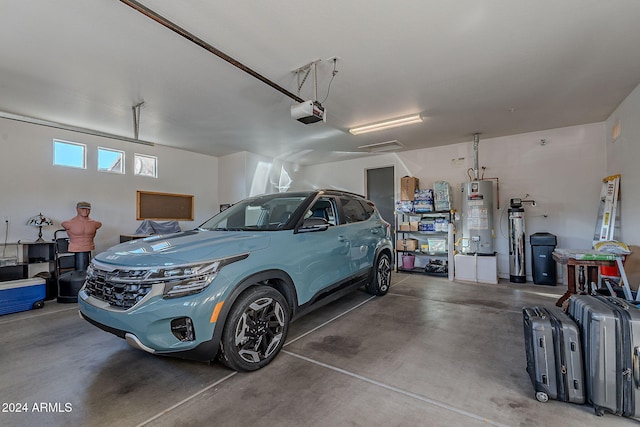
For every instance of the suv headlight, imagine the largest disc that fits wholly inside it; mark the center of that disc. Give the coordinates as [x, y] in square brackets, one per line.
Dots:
[190, 279]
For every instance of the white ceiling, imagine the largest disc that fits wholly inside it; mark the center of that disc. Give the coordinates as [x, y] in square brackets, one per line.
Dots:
[496, 67]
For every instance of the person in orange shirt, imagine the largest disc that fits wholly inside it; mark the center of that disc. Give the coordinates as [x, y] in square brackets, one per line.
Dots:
[81, 230]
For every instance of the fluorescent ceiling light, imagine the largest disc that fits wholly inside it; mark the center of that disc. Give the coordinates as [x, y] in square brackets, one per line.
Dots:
[388, 124]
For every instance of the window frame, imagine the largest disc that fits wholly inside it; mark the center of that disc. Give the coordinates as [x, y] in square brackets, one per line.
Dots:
[70, 143]
[331, 212]
[137, 156]
[122, 161]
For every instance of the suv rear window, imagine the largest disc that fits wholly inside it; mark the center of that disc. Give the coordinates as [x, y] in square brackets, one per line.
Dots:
[353, 210]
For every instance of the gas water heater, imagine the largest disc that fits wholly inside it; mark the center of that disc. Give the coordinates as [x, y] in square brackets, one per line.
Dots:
[517, 266]
[477, 217]
[477, 211]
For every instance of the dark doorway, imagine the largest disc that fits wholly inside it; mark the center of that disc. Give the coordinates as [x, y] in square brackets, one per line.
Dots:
[381, 191]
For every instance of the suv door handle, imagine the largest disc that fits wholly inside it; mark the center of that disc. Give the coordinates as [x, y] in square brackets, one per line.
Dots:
[342, 239]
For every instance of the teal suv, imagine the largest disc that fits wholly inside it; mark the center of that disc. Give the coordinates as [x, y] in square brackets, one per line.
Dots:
[229, 289]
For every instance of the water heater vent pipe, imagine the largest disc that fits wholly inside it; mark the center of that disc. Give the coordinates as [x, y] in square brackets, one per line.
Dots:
[476, 141]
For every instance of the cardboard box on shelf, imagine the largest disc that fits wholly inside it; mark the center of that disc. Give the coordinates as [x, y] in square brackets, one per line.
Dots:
[409, 226]
[408, 187]
[407, 244]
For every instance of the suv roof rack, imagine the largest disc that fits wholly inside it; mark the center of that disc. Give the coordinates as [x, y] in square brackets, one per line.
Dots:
[330, 190]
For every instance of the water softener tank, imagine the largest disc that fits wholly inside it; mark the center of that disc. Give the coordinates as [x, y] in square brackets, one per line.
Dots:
[517, 267]
[477, 217]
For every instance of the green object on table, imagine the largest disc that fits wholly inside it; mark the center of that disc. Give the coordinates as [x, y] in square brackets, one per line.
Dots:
[587, 254]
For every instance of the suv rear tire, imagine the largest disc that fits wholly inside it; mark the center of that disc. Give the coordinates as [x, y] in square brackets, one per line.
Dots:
[255, 329]
[381, 280]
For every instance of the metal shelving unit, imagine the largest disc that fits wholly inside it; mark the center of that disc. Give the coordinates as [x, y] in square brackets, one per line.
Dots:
[426, 235]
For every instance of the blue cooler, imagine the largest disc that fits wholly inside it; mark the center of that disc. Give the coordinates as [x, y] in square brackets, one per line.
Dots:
[22, 295]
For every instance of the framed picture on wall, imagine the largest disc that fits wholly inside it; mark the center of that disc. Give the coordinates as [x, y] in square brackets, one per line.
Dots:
[164, 206]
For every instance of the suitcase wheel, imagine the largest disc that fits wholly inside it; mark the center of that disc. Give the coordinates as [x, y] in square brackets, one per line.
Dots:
[599, 411]
[541, 396]
[38, 304]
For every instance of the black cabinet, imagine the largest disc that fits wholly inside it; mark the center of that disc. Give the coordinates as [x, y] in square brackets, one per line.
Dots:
[28, 259]
[39, 252]
[13, 272]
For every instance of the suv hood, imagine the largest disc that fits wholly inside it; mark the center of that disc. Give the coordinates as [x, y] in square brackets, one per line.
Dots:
[183, 248]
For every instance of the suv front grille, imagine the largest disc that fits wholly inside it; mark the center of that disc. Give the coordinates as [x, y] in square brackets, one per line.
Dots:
[119, 293]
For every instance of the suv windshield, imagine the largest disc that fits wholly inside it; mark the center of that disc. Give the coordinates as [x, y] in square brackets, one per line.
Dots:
[268, 213]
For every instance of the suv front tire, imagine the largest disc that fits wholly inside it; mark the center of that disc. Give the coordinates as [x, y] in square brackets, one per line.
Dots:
[255, 329]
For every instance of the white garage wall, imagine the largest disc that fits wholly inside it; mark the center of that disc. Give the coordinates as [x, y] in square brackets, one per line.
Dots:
[31, 184]
[563, 177]
[247, 174]
[623, 157]
[233, 176]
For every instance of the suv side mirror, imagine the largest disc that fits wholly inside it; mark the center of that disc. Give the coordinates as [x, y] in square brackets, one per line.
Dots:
[313, 224]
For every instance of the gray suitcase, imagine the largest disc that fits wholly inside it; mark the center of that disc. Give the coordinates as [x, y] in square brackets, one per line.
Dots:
[554, 354]
[611, 336]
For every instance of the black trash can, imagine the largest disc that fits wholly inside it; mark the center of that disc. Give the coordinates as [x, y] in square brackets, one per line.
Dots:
[542, 263]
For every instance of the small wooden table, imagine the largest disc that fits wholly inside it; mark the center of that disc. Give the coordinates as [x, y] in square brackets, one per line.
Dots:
[576, 257]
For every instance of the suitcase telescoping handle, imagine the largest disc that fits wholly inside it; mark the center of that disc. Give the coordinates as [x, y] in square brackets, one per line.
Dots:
[620, 303]
[636, 366]
[530, 312]
[636, 350]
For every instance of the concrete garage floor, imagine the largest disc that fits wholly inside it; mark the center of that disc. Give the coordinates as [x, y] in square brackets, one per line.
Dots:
[430, 353]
